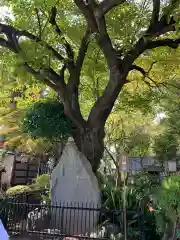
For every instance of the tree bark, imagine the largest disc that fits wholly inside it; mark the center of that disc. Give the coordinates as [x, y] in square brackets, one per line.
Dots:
[89, 135]
[103, 106]
[90, 141]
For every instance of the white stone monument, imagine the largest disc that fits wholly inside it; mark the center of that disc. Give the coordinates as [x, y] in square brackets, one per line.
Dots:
[73, 182]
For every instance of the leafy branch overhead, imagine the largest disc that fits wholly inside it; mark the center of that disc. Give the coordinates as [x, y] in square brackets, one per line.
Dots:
[94, 14]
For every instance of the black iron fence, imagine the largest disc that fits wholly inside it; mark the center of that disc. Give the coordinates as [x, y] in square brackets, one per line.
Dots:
[76, 220]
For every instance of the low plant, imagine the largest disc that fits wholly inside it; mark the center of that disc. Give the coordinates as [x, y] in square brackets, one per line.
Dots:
[19, 189]
[41, 182]
[40, 188]
[167, 207]
[138, 197]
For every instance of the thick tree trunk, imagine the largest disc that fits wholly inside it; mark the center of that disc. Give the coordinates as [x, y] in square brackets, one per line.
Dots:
[89, 135]
[90, 141]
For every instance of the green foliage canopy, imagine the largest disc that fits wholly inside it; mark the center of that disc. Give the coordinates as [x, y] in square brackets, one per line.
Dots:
[46, 119]
[18, 190]
[166, 147]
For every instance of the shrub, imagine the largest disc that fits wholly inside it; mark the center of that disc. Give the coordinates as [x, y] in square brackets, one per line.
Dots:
[138, 196]
[41, 182]
[46, 119]
[168, 197]
[19, 189]
[167, 206]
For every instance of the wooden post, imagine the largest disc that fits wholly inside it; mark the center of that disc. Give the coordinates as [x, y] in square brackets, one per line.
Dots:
[124, 170]
[27, 172]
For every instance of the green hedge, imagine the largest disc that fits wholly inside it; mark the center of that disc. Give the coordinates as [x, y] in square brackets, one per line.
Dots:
[19, 189]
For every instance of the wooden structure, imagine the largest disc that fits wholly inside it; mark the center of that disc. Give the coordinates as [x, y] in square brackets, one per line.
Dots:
[2, 170]
[20, 171]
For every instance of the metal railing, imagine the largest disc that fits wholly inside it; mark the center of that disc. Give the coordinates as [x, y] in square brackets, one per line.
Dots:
[75, 220]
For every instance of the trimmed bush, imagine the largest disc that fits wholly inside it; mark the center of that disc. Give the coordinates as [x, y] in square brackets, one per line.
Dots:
[41, 182]
[19, 189]
[46, 119]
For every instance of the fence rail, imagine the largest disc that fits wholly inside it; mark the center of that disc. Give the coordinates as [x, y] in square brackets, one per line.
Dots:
[75, 220]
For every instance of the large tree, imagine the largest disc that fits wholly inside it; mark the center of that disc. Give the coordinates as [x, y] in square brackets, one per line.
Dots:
[59, 60]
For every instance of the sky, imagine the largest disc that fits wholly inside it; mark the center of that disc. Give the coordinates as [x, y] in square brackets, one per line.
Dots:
[4, 13]
[159, 117]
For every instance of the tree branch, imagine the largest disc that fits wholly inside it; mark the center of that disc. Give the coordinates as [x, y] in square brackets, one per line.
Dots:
[55, 78]
[112, 157]
[146, 75]
[82, 51]
[49, 76]
[161, 27]
[166, 85]
[97, 24]
[57, 29]
[39, 22]
[8, 45]
[13, 35]
[144, 44]
[143, 72]
[53, 22]
[88, 14]
[107, 5]
[165, 24]
[39, 76]
[138, 68]
[167, 42]
[155, 14]
[74, 78]
[156, 28]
